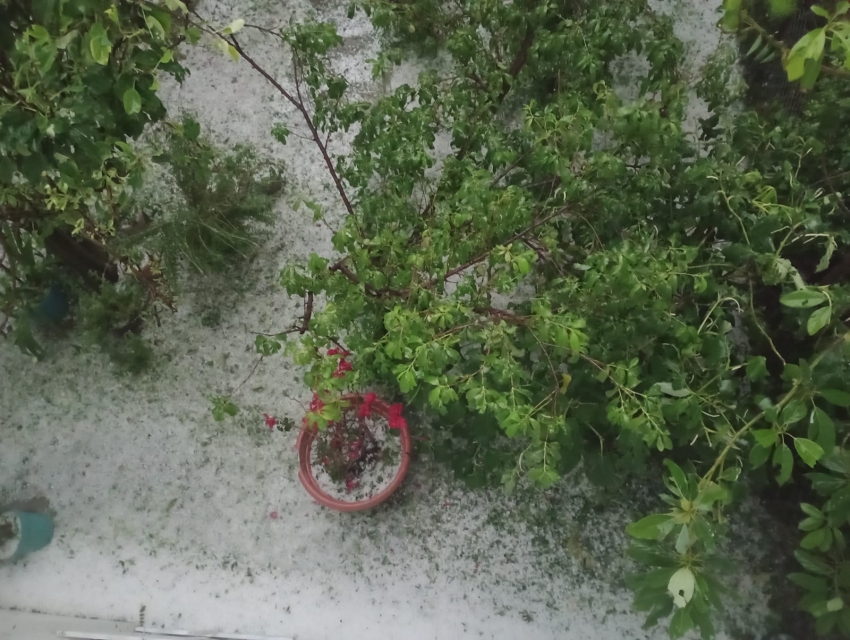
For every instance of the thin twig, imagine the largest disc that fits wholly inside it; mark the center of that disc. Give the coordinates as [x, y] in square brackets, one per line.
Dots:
[513, 238]
[299, 105]
[248, 377]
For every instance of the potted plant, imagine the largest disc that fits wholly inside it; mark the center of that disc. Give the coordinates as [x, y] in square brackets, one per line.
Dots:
[353, 452]
[22, 532]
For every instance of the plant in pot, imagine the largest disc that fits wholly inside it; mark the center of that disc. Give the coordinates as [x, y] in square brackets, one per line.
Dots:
[354, 450]
[22, 532]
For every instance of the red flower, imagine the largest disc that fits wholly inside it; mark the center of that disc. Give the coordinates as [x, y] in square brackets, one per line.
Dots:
[395, 419]
[351, 484]
[366, 408]
[343, 366]
[337, 351]
[271, 421]
[333, 352]
[316, 404]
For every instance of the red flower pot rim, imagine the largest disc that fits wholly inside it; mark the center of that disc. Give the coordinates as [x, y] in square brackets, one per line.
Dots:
[306, 438]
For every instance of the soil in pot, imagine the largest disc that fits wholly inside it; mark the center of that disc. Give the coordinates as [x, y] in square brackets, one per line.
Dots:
[356, 457]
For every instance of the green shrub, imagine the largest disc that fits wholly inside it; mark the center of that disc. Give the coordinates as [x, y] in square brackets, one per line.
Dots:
[224, 200]
[111, 319]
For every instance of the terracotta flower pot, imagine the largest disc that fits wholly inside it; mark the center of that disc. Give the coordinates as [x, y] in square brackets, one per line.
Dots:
[307, 437]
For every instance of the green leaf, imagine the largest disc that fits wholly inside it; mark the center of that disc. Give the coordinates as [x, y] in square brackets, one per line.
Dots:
[825, 624]
[651, 527]
[756, 44]
[809, 47]
[667, 389]
[731, 16]
[811, 510]
[756, 368]
[132, 101]
[191, 129]
[836, 397]
[765, 437]
[681, 587]
[792, 412]
[809, 582]
[680, 624]
[99, 44]
[730, 474]
[758, 456]
[711, 493]
[818, 320]
[803, 299]
[683, 540]
[406, 380]
[809, 451]
[782, 8]
[810, 524]
[784, 459]
[155, 26]
[824, 483]
[544, 477]
[814, 539]
[234, 27]
[812, 563]
[836, 604]
[678, 477]
[826, 258]
[175, 5]
[822, 429]
[823, 13]
[522, 265]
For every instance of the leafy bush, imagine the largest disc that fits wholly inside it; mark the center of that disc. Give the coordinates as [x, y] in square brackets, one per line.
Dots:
[584, 280]
[111, 319]
[79, 84]
[224, 199]
[78, 80]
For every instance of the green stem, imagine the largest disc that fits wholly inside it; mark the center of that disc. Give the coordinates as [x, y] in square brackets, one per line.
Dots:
[785, 399]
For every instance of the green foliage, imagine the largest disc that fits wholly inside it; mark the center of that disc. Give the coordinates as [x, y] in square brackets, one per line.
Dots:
[111, 318]
[79, 83]
[825, 48]
[222, 407]
[225, 199]
[78, 80]
[578, 279]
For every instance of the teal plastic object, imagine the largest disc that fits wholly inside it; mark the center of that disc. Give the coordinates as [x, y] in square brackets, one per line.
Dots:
[36, 531]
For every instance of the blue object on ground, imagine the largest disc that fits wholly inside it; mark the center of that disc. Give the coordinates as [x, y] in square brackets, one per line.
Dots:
[54, 306]
[36, 532]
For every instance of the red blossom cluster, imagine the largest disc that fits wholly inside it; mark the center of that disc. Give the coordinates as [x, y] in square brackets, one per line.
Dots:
[344, 365]
[395, 419]
[365, 409]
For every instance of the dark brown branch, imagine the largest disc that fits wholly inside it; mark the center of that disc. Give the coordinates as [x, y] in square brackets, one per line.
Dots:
[518, 63]
[501, 314]
[345, 270]
[298, 104]
[296, 328]
[308, 314]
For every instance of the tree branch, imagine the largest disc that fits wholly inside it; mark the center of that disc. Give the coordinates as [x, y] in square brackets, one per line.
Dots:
[298, 104]
[516, 236]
